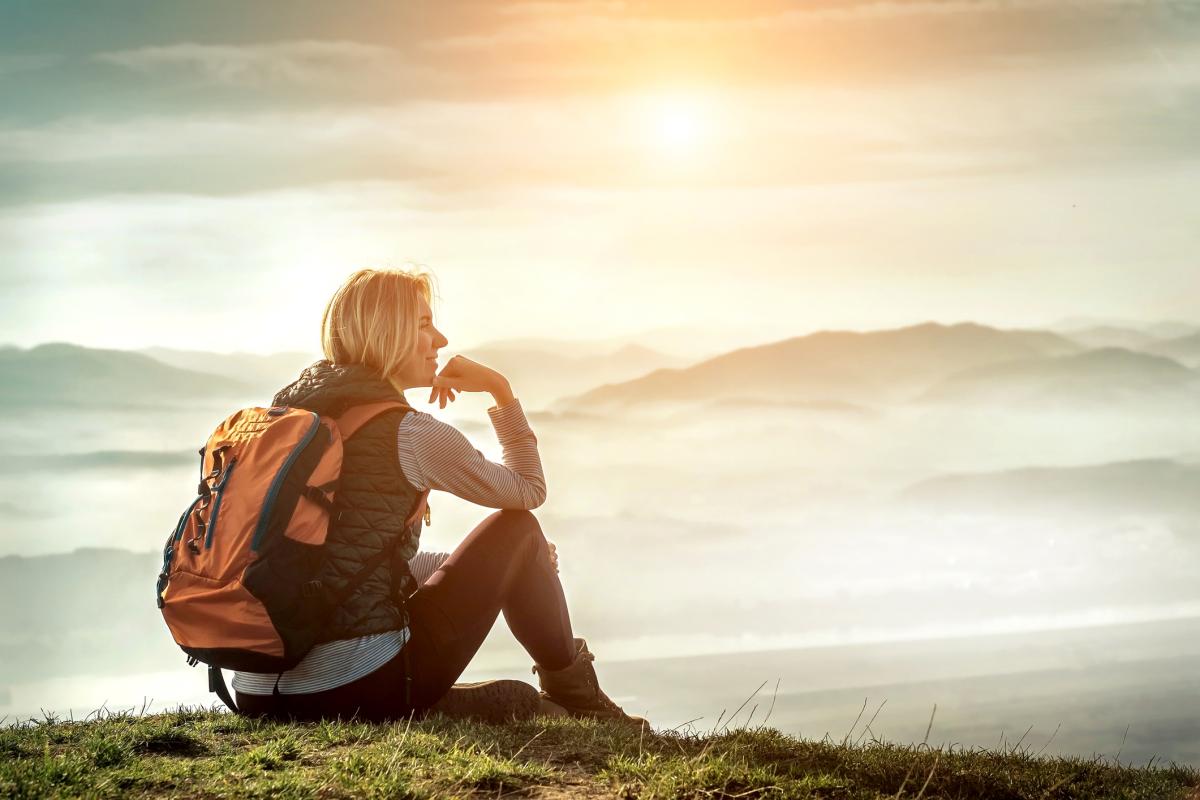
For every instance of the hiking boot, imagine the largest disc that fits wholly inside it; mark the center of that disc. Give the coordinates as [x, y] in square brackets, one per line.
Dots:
[577, 690]
[549, 708]
[495, 702]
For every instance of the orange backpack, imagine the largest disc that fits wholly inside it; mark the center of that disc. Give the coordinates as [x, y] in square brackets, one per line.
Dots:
[239, 587]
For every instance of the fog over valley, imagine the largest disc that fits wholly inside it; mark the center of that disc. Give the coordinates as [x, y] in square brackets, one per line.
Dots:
[1002, 522]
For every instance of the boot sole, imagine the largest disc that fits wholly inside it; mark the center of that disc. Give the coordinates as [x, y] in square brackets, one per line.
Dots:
[607, 716]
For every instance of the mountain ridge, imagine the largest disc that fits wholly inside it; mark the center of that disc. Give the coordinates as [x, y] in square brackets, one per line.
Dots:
[1091, 378]
[835, 363]
[928, 362]
[64, 374]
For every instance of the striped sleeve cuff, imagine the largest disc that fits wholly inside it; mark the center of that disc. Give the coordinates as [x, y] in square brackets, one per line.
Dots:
[509, 420]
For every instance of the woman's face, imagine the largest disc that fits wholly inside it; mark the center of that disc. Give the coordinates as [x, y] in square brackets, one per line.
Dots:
[422, 365]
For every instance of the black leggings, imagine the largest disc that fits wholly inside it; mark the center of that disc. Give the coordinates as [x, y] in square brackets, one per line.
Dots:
[502, 566]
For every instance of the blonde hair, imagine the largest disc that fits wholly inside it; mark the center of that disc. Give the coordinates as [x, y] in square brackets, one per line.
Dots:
[373, 318]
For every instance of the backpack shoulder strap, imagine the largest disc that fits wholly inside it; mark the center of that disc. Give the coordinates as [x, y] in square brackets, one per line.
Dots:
[352, 421]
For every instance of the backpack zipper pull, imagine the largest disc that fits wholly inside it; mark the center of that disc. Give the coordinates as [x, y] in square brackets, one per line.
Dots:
[428, 516]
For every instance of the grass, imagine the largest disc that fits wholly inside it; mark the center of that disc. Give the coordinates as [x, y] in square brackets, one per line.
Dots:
[208, 754]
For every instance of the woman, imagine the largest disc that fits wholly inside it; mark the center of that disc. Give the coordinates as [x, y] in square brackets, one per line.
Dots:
[393, 649]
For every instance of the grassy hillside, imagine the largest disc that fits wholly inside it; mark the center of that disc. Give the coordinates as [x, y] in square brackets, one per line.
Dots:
[213, 755]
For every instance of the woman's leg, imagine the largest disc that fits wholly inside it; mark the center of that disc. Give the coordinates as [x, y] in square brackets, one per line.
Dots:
[503, 565]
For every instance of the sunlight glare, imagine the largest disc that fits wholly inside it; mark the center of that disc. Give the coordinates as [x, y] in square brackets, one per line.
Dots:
[678, 125]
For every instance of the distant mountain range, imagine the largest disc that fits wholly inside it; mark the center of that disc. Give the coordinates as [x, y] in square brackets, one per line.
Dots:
[1185, 349]
[1153, 486]
[683, 343]
[1167, 329]
[829, 370]
[268, 373]
[543, 373]
[70, 375]
[1100, 336]
[1104, 377]
[1172, 339]
[541, 369]
[837, 366]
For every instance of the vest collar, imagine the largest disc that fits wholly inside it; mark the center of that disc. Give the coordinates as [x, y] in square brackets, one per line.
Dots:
[329, 389]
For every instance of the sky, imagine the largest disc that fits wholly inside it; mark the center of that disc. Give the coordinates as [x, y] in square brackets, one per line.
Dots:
[204, 175]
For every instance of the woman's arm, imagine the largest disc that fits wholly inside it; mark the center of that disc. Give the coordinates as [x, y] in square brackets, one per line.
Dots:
[461, 374]
[437, 456]
[502, 394]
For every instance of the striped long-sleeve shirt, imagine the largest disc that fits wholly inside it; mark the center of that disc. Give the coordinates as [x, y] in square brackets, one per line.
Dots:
[436, 456]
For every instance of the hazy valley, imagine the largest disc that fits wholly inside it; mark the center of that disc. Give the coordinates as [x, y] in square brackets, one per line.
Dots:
[834, 490]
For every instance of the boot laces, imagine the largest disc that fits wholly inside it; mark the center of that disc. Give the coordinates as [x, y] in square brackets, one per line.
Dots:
[601, 697]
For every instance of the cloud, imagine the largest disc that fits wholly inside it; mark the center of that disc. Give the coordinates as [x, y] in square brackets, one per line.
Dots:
[1018, 118]
[782, 110]
[451, 148]
[617, 22]
[549, 48]
[294, 62]
[555, 50]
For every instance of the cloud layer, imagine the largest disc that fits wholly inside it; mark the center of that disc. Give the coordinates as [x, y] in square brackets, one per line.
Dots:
[951, 156]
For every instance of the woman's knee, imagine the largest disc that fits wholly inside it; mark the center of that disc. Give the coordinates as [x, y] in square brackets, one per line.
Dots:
[517, 520]
[518, 529]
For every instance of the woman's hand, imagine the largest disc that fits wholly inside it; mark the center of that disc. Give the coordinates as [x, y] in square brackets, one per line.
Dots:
[461, 374]
[553, 555]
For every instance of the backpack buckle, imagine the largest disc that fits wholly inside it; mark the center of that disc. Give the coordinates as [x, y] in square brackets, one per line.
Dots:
[318, 495]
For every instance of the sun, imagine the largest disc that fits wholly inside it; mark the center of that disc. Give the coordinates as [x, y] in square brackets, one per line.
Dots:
[679, 127]
[676, 124]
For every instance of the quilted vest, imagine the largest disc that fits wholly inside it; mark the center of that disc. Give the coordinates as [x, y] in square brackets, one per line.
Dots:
[373, 500]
